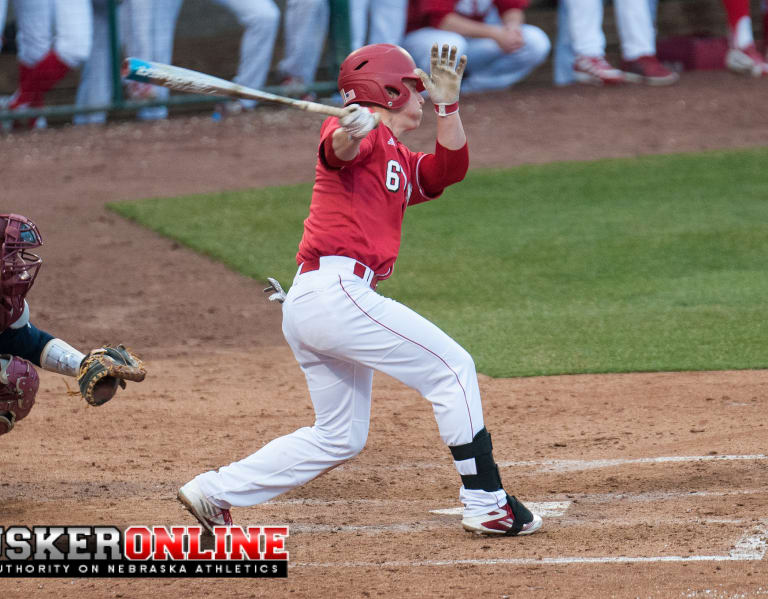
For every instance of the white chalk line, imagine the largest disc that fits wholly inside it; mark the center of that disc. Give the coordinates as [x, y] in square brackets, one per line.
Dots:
[565, 465]
[750, 547]
[583, 498]
[545, 509]
[544, 561]
[446, 524]
[577, 465]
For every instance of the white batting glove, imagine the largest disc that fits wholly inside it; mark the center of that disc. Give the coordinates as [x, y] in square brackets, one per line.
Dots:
[444, 80]
[358, 122]
[278, 295]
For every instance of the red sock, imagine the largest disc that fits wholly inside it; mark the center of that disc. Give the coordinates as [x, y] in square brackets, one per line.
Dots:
[35, 81]
[24, 96]
[736, 9]
[47, 73]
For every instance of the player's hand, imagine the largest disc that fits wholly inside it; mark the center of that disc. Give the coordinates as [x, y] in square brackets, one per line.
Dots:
[358, 122]
[278, 295]
[510, 38]
[444, 80]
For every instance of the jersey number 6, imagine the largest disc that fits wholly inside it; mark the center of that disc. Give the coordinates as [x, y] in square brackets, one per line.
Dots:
[393, 175]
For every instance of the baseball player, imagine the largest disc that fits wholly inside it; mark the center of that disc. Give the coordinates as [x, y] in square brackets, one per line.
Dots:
[340, 329]
[742, 56]
[23, 345]
[54, 36]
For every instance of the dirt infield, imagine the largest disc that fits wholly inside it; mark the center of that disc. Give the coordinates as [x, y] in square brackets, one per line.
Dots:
[652, 485]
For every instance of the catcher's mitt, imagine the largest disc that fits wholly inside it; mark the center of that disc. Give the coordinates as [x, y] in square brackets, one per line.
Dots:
[103, 369]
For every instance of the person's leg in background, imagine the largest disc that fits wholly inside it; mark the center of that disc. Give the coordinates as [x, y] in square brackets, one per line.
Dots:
[583, 20]
[562, 60]
[742, 56]
[359, 12]
[764, 10]
[150, 30]
[54, 36]
[95, 86]
[419, 42]
[261, 19]
[488, 68]
[306, 29]
[634, 21]
[3, 13]
[388, 21]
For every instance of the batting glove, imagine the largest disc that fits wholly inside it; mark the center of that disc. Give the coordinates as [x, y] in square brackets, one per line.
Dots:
[444, 80]
[278, 295]
[358, 122]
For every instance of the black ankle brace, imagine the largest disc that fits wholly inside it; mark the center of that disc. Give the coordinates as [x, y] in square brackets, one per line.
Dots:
[487, 477]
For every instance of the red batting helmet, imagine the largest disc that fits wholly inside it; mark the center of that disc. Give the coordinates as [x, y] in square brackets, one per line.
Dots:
[369, 72]
[18, 267]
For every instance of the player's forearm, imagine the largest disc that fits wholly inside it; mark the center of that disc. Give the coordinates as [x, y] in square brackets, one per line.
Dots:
[344, 147]
[450, 132]
[27, 342]
[59, 356]
[513, 17]
[443, 168]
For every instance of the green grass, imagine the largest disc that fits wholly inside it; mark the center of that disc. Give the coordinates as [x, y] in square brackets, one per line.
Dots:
[647, 264]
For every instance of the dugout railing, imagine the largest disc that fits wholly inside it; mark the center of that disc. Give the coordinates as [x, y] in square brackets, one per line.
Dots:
[675, 17]
[337, 47]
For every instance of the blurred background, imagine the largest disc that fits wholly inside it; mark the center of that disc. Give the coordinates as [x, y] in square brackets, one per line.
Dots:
[207, 38]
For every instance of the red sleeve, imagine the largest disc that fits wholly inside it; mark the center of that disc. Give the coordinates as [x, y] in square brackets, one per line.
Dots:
[326, 153]
[428, 13]
[505, 5]
[441, 169]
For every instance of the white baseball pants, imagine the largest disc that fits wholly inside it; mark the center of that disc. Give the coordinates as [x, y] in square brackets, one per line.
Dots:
[261, 20]
[64, 26]
[306, 27]
[3, 13]
[379, 22]
[340, 330]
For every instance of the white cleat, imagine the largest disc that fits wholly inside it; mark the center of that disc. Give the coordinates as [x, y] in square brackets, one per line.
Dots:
[512, 519]
[207, 514]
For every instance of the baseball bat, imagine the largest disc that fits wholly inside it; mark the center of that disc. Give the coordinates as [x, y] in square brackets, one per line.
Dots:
[187, 80]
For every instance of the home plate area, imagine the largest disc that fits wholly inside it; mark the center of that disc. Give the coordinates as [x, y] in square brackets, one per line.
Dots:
[670, 526]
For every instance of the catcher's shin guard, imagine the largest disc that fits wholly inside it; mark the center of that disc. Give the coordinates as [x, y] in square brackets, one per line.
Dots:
[475, 463]
[18, 386]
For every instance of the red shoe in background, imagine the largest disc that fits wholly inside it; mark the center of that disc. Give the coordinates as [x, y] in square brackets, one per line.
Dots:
[648, 70]
[595, 70]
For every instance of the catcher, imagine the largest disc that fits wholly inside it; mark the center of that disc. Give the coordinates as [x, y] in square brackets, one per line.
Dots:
[22, 345]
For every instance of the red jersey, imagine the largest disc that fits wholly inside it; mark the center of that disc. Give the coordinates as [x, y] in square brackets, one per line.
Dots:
[430, 13]
[357, 210]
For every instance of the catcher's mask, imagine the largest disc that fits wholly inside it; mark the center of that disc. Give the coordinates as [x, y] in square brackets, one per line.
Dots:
[369, 73]
[18, 266]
